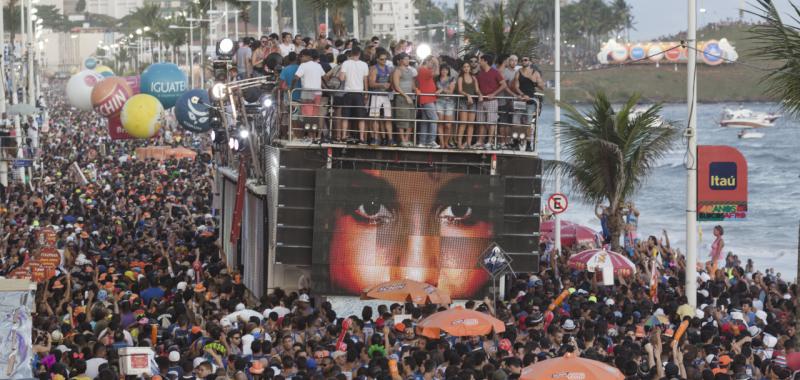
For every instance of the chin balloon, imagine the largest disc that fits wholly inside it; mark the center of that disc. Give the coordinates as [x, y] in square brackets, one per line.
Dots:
[110, 95]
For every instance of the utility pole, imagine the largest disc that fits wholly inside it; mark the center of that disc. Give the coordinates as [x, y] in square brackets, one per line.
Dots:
[461, 18]
[3, 157]
[691, 169]
[294, 18]
[355, 19]
[557, 118]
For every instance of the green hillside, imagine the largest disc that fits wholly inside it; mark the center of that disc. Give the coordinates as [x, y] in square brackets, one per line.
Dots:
[667, 83]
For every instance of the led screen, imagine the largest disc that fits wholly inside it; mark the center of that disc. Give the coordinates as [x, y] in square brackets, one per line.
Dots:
[373, 226]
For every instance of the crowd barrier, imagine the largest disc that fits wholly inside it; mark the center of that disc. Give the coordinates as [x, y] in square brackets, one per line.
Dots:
[321, 116]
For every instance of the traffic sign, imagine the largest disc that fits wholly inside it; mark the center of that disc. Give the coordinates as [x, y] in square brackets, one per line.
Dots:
[22, 163]
[557, 203]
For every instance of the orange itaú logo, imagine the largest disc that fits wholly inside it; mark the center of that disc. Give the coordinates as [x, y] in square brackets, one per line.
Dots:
[569, 375]
[465, 322]
[390, 288]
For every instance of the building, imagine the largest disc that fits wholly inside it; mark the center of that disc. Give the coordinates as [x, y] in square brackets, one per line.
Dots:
[394, 19]
[67, 51]
[113, 8]
[170, 6]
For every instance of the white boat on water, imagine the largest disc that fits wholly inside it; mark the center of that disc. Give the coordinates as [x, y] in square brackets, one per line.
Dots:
[747, 119]
[750, 134]
[638, 110]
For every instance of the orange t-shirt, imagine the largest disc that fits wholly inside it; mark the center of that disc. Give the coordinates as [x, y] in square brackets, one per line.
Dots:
[426, 85]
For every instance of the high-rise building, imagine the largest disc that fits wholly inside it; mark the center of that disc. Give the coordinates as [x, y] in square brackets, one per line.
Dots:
[393, 19]
[113, 8]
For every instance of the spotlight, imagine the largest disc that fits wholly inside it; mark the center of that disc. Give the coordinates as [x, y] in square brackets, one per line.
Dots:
[522, 136]
[225, 48]
[213, 135]
[243, 133]
[515, 135]
[218, 91]
[266, 101]
[423, 51]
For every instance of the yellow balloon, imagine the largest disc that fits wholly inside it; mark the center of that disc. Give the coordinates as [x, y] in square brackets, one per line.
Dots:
[142, 116]
[104, 70]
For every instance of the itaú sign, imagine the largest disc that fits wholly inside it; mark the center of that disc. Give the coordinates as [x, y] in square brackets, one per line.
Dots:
[721, 183]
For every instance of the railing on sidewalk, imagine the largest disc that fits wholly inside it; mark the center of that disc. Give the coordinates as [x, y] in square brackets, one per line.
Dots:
[501, 122]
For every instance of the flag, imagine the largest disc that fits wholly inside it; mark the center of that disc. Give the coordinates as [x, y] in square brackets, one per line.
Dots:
[236, 227]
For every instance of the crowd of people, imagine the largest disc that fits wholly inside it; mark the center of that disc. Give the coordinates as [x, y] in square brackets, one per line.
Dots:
[142, 267]
[369, 94]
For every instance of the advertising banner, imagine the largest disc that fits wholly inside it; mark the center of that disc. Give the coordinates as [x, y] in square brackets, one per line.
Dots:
[15, 330]
[373, 226]
[721, 183]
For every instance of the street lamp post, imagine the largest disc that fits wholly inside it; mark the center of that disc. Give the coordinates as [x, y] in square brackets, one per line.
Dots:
[139, 50]
[189, 55]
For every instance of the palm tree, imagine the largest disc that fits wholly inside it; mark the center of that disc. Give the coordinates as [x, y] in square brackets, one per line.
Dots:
[474, 9]
[622, 16]
[776, 41]
[52, 18]
[609, 154]
[502, 33]
[244, 14]
[337, 10]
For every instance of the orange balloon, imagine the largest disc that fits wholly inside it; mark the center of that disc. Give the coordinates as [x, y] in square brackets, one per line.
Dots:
[110, 95]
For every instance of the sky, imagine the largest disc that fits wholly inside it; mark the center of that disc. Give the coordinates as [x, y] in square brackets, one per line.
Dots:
[654, 18]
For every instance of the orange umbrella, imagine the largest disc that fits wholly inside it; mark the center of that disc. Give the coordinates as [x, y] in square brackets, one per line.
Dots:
[571, 367]
[459, 322]
[407, 291]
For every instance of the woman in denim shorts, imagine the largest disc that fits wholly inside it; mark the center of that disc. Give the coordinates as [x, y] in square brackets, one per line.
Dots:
[446, 106]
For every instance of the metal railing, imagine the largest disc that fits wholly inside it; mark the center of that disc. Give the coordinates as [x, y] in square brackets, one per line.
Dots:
[324, 116]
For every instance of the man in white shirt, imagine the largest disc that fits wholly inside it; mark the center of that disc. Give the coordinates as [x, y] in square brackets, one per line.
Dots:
[98, 359]
[286, 46]
[310, 74]
[355, 74]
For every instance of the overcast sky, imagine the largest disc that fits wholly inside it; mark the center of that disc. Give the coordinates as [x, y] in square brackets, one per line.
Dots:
[656, 18]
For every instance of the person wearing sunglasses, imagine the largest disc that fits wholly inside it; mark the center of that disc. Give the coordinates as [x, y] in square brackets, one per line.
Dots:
[259, 56]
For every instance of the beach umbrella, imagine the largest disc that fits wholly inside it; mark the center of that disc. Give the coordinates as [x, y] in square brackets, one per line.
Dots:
[596, 258]
[406, 290]
[571, 367]
[571, 234]
[459, 322]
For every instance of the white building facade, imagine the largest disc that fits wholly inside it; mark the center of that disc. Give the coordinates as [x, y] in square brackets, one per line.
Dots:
[113, 8]
[393, 19]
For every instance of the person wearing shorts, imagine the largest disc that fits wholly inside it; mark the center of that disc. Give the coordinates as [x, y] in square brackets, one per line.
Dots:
[310, 73]
[405, 86]
[355, 74]
[491, 84]
[380, 106]
[446, 106]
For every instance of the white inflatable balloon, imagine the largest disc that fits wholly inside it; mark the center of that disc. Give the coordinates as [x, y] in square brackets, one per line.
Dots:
[79, 89]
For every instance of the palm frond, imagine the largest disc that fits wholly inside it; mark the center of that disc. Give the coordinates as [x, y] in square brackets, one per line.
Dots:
[608, 154]
[775, 40]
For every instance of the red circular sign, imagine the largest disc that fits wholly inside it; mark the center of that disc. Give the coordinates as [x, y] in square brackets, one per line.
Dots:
[673, 53]
[557, 203]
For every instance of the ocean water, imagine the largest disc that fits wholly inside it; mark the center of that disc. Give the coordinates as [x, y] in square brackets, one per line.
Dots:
[769, 234]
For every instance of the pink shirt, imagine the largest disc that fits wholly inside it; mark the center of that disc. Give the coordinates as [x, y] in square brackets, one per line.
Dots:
[716, 249]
